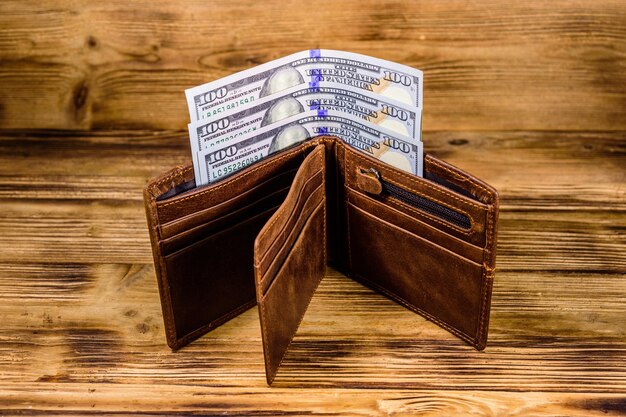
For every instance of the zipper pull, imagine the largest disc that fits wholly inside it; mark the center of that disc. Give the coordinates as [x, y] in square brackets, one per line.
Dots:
[368, 180]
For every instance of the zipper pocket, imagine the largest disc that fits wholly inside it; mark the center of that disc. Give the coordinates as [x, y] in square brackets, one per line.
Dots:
[422, 203]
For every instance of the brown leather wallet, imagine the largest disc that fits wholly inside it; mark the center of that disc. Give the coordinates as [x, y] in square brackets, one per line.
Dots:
[265, 234]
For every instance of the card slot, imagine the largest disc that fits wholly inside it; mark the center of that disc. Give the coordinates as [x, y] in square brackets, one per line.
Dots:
[291, 210]
[458, 180]
[283, 305]
[420, 274]
[214, 277]
[282, 247]
[219, 226]
[407, 221]
[215, 209]
[311, 170]
[463, 197]
[469, 215]
[183, 237]
[307, 232]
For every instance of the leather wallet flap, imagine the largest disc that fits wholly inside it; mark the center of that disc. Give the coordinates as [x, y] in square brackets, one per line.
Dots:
[290, 259]
[203, 241]
[426, 242]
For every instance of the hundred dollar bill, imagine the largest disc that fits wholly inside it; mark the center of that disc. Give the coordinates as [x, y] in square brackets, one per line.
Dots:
[361, 104]
[392, 80]
[234, 154]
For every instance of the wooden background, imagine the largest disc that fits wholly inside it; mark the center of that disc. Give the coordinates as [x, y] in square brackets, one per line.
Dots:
[530, 96]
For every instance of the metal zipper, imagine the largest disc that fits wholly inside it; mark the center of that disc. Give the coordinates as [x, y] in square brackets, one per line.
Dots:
[424, 204]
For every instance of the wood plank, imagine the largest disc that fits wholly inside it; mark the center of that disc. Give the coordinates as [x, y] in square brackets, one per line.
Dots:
[102, 324]
[528, 96]
[115, 231]
[532, 170]
[160, 399]
[488, 65]
[80, 200]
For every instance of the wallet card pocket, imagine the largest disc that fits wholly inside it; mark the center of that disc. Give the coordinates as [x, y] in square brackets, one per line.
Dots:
[405, 221]
[309, 199]
[290, 259]
[433, 203]
[196, 272]
[269, 187]
[213, 225]
[425, 277]
[284, 302]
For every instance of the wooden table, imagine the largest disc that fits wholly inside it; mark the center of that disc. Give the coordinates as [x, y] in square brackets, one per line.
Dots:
[529, 96]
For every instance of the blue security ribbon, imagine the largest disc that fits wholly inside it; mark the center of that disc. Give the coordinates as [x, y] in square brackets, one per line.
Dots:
[314, 84]
[316, 75]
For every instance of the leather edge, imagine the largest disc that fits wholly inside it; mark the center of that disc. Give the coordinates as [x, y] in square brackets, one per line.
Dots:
[161, 275]
[270, 374]
[488, 195]
[489, 270]
[152, 190]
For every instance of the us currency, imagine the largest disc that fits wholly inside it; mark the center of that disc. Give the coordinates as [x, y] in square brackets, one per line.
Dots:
[232, 155]
[360, 104]
[389, 79]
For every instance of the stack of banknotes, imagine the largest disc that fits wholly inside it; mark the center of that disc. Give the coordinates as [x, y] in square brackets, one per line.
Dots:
[371, 104]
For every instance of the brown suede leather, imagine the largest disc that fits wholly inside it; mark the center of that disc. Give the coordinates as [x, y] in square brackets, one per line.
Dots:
[265, 234]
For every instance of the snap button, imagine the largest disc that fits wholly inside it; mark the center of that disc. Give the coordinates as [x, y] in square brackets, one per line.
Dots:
[367, 180]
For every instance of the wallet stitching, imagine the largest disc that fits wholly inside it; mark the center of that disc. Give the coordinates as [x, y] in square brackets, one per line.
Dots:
[236, 178]
[394, 227]
[461, 230]
[469, 179]
[469, 216]
[348, 219]
[413, 307]
[297, 326]
[405, 303]
[265, 347]
[192, 216]
[356, 205]
[283, 213]
[311, 298]
[264, 277]
[262, 307]
[349, 240]
[466, 232]
[163, 277]
[177, 171]
[425, 184]
[486, 271]
[482, 314]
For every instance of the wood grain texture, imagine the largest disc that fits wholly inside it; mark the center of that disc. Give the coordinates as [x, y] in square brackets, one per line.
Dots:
[488, 65]
[201, 400]
[101, 324]
[559, 190]
[110, 338]
[82, 327]
[530, 97]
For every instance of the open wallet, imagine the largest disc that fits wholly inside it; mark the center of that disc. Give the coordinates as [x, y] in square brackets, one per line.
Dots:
[265, 234]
